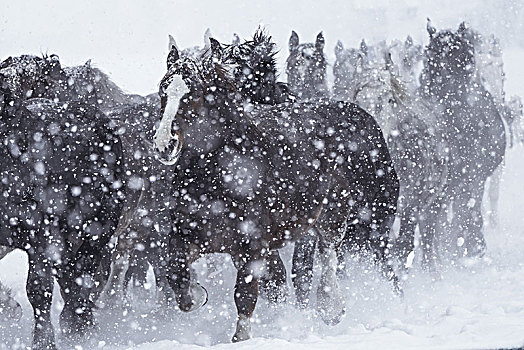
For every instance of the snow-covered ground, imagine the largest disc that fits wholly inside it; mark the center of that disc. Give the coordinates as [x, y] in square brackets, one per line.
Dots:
[477, 305]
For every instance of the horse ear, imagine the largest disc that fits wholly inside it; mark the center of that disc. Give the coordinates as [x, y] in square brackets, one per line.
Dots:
[339, 48]
[409, 41]
[172, 43]
[216, 48]
[429, 27]
[236, 40]
[462, 27]
[207, 37]
[173, 54]
[88, 63]
[319, 44]
[8, 61]
[293, 41]
[364, 47]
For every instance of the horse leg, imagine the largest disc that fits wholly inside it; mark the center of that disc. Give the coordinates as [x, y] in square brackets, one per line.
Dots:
[405, 242]
[39, 288]
[428, 230]
[77, 280]
[137, 270]
[462, 220]
[164, 294]
[330, 302]
[158, 257]
[379, 229]
[189, 295]
[246, 294]
[445, 237]
[113, 292]
[302, 267]
[493, 194]
[273, 283]
[474, 241]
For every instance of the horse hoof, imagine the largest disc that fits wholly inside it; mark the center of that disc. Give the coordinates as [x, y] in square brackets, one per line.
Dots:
[240, 337]
[243, 329]
[43, 346]
[198, 296]
[331, 306]
[332, 319]
[76, 325]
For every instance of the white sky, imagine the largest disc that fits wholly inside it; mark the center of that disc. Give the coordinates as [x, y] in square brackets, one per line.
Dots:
[128, 39]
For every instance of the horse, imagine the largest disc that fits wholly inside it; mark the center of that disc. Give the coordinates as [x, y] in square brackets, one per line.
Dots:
[61, 183]
[489, 72]
[143, 233]
[255, 71]
[143, 218]
[475, 130]
[144, 224]
[416, 144]
[306, 67]
[250, 53]
[248, 183]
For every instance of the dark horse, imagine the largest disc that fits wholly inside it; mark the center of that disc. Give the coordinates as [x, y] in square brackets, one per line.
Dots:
[475, 131]
[416, 144]
[307, 69]
[61, 184]
[144, 217]
[249, 182]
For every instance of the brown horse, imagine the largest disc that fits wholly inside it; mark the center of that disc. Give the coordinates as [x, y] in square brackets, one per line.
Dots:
[248, 183]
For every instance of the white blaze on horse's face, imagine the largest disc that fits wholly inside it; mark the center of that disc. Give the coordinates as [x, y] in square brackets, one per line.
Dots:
[168, 144]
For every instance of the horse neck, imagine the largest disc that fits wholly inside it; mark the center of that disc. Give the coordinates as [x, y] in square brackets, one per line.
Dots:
[449, 92]
[106, 94]
[344, 84]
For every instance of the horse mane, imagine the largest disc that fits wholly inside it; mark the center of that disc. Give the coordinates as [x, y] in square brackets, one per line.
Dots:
[258, 57]
[398, 87]
[221, 73]
[261, 51]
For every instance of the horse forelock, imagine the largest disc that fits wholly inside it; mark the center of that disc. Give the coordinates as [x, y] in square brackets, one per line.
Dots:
[256, 54]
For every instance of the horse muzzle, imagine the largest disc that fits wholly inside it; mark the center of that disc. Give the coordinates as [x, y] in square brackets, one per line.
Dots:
[170, 153]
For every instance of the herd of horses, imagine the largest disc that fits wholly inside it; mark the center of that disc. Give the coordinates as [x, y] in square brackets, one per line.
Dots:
[98, 184]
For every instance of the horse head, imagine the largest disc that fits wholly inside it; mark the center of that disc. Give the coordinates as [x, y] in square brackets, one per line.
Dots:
[255, 69]
[189, 81]
[408, 58]
[449, 61]
[348, 63]
[306, 67]
[29, 76]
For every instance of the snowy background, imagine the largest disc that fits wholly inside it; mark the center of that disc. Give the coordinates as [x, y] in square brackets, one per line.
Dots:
[478, 306]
